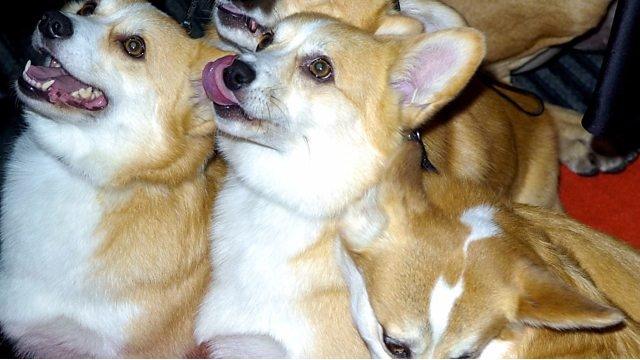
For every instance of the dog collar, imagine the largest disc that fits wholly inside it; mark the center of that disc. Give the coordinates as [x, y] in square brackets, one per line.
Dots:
[425, 163]
[187, 24]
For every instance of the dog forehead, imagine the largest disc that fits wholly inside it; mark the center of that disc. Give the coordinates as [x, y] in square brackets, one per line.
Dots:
[301, 31]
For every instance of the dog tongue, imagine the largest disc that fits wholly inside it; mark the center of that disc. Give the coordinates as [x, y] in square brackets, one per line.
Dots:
[64, 86]
[213, 81]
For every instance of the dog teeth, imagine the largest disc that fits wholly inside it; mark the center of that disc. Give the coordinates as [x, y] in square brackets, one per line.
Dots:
[54, 63]
[253, 25]
[47, 85]
[85, 93]
[76, 94]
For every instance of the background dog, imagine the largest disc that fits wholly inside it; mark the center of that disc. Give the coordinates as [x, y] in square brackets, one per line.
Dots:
[445, 269]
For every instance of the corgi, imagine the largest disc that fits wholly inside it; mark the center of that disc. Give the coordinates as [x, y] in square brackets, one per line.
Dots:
[306, 124]
[442, 268]
[106, 204]
[243, 24]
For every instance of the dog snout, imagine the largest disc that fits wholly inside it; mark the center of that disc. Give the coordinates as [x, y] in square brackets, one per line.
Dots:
[55, 25]
[238, 75]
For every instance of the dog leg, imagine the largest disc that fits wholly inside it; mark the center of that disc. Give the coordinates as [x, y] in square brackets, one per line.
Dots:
[575, 145]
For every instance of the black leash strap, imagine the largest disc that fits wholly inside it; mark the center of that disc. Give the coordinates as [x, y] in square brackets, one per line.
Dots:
[187, 24]
[425, 163]
[498, 87]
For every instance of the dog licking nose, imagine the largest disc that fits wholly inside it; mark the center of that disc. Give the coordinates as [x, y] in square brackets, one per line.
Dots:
[224, 76]
[238, 75]
[55, 25]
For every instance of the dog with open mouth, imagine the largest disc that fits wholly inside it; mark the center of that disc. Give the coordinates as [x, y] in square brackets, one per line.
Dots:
[305, 125]
[440, 268]
[106, 202]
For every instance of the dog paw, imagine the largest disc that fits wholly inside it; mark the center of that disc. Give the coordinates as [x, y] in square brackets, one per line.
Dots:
[584, 161]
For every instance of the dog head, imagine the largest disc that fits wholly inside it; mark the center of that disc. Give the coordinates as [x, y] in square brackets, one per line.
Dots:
[309, 119]
[454, 275]
[245, 23]
[115, 96]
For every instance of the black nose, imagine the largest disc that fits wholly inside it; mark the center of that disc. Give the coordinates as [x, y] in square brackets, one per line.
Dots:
[55, 25]
[238, 75]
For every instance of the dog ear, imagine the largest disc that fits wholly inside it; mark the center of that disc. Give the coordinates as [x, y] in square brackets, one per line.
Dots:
[417, 16]
[433, 15]
[433, 68]
[546, 301]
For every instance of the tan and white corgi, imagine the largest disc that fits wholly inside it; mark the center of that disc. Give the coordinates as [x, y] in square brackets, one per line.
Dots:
[442, 268]
[244, 23]
[106, 204]
[306, 125]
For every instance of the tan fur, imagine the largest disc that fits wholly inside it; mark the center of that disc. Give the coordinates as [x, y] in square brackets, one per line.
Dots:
[155, 228]
[481, 137]
[527, 264]
[517, 30]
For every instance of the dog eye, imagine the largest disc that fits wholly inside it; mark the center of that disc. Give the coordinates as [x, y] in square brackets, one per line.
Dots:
[321, 69]
[134, 46]
[266, 40]
[396, 348]
[88, 8]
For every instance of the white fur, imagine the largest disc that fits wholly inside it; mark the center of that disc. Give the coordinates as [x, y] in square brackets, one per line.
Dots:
[441, 302]
[480, 220]
[50, 303]
[361, 310]
[255, 289]
[497, 349]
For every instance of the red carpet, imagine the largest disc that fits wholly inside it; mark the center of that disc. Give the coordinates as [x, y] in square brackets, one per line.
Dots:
[609, 203]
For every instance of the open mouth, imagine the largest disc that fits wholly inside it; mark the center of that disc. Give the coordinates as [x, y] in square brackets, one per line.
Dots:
[224, 100]
[232, 16]
[55, 85]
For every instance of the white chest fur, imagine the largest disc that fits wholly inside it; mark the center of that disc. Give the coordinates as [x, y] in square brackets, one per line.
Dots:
[49, 299]
[256, 289]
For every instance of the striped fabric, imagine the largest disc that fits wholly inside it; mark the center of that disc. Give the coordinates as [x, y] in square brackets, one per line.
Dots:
[567, 80]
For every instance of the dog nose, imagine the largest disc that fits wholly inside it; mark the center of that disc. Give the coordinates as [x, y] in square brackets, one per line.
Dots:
[238, 75]
[55, 25]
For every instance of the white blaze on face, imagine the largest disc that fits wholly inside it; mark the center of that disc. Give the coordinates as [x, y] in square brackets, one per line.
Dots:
[441, 302]
[480, 220]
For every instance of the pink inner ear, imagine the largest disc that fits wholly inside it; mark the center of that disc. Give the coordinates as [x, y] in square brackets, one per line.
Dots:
[426, 72]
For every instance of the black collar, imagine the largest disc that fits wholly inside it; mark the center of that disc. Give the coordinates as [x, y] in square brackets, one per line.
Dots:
[425, 163]
[187, 23]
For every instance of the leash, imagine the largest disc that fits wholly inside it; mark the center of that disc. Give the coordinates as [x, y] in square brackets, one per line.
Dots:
[187, 24]
[425, 163]
[498, 86]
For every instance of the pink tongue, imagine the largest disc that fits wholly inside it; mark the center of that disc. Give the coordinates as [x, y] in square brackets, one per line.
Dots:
[64, 81]
[213, 82]
[64, 86]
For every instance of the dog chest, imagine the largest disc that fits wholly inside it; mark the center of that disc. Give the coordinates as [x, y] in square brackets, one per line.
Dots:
[49, 221]
[259, 280]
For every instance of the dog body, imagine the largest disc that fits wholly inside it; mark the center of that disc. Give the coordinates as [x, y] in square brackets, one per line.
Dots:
[450, 270]
[295, 162]
[106, 203]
